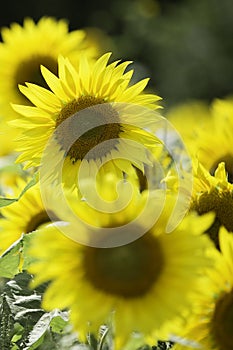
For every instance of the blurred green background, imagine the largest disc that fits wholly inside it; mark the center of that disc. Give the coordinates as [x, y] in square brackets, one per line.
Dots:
[185, 46]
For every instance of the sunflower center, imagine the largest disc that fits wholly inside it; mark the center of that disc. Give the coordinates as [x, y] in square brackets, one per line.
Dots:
[29, 71]
[40, 219]
[228, 160]
[222, 322]
[221, 203]
[82, 128]
[127, 271]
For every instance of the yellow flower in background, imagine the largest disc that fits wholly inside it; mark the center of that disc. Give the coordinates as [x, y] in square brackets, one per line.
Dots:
[214, 142]
[213, 193]
[188, 118]
[151, 277]
[207, 133]
[10, 176]
[23, 216]
[93, 88]
[97, 37]
[7, 137]
[210, 325]
[24, 48]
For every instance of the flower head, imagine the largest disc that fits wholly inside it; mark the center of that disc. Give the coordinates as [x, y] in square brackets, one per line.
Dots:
[7, 136]
[189, 118]
[213, 194]
[87, 118]
[210, 326]
[23, 216]
[152, 276]
[207, 132]
[215, 145]
[24, 48]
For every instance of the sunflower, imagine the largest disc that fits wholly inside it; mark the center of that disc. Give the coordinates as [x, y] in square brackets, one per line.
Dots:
[7, 137]
[23, 216]
[25, 48]
[10, 176]
[213, 193]
[188, 118]
[143, 286]
[99, 205]
[210, 326]
[91, 117]
[215, 145]
[209, 135]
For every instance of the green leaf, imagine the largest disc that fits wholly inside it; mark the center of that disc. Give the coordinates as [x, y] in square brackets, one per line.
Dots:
[25, 325]
[10, 260]
[18, 333]
[6, 324]
[25, 304]
[23, 309]
[69, 340]
[31, 183]
[4, 202]
[26, 241]
[59, 322]
[16, 257]
[38, 331]
[55, 319]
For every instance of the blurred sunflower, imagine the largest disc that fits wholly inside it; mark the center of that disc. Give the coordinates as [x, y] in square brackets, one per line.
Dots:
[213, 193]
[215, 144]
[207, 133]
[94, 89]
[25, 48]
[210, 326]
[10, 175]
[151, 277]
[7, 136]
[23, 216]
[188, 118]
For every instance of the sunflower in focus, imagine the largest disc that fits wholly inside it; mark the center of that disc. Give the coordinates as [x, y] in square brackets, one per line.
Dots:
[23, 216]
[151, 277]
[210, 326]
[96, 97]
[213, 193]
[24, 48]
